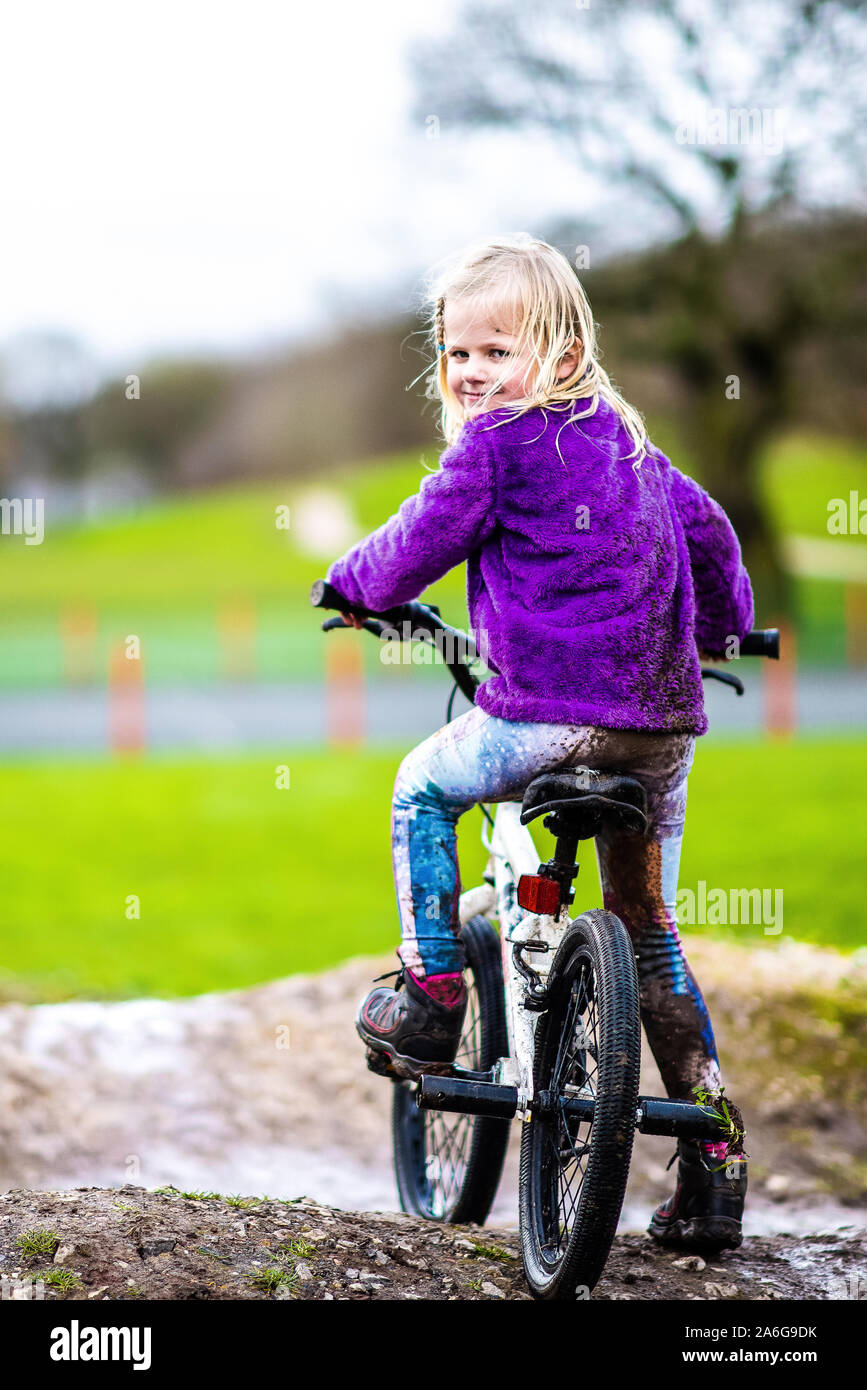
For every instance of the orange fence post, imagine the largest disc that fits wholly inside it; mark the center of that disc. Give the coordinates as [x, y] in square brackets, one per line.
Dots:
[344, 690]
[780, 687]
[237, 628]
[127, 725]
[78, 632]
[856, 624]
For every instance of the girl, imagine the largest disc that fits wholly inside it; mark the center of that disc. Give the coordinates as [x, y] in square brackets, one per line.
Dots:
[596, 573]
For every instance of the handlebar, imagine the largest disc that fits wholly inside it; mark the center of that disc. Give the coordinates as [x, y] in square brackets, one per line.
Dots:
[764, 641]
[324, 595]
[422, 615]
[416, 619]
[424, 619]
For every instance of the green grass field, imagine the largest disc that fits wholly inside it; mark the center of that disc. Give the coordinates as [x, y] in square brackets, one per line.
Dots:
[199, 548]
[166, 572]
[240, 882]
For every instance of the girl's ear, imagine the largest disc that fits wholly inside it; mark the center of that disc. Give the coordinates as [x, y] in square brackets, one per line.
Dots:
[569, 362]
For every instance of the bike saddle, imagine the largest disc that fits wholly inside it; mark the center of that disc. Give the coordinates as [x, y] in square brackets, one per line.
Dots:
[585, 800]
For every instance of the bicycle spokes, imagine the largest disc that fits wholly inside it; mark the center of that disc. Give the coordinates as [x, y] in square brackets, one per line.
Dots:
[447, 1137]
[447, 1147]
[574, 1073]
[469, 1047]
[448, 1163]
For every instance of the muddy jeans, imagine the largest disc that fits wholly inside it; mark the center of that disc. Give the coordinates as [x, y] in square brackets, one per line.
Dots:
[479, 758]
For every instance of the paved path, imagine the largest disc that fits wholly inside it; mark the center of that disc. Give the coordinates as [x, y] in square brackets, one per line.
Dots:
[398, 711]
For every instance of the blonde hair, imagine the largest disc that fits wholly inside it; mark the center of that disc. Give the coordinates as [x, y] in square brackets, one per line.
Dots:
[535, 284]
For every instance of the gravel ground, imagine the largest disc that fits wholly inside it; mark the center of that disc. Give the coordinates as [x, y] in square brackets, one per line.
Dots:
[130, 1244]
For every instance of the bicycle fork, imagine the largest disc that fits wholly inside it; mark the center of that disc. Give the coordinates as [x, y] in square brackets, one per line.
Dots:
[529, 942]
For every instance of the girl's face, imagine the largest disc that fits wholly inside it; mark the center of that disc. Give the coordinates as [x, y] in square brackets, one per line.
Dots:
[480, 355]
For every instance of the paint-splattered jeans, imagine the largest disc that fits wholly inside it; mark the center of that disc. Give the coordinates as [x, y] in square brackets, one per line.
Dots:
[479, 758]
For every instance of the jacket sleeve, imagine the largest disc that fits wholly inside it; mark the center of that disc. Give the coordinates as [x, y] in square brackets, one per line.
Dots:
[723, 593]
[439, 526]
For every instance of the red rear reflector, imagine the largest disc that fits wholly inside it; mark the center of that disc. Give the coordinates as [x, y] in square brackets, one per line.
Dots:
[537, 894]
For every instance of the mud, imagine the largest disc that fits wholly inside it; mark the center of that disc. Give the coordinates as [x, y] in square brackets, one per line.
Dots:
[265, 1092]
[129, 1244]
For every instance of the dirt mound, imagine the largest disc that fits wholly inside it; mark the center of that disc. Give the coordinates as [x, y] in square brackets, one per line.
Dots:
[266, 1091]
[129, 1244]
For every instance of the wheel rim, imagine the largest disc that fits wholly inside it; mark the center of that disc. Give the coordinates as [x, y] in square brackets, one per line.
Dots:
[565, 1142]
[443, 1140]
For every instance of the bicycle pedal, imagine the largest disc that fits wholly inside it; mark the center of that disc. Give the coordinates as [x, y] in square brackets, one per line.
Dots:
[399, 1068]
[380, 1065]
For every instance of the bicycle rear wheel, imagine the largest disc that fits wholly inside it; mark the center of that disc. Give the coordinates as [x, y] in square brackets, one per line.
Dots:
[573, 1172]
[448, 1166]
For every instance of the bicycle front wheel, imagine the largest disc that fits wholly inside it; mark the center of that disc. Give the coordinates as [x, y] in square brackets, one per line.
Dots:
[448, 1166]
[573, 1171]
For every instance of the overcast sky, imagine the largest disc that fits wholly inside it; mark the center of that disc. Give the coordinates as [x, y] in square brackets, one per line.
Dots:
[183, 176]
[187, 175]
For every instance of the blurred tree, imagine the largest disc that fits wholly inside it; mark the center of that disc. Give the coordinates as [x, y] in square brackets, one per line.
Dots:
[150, 418]
[6, 451]
[46, 379]
[783, 309]
[703, 124]
[339, 400]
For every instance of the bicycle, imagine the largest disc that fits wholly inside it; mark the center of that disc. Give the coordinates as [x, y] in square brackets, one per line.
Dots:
[552, 1032]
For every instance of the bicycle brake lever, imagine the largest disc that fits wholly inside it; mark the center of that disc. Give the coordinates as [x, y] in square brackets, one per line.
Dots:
[708, 674]
[370, 625]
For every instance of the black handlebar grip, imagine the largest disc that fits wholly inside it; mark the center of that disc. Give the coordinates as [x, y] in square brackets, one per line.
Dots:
[764, 642]
[324, 595]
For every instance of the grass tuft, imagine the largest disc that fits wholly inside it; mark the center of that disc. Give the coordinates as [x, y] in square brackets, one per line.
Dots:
[273, 1276]
[493, 1252]
[37, 1242]
[62, 1280]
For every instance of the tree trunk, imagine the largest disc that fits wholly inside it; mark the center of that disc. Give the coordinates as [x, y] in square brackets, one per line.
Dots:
[726, 445]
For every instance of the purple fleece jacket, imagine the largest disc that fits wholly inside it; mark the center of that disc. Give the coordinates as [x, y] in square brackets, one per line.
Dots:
[591, 585]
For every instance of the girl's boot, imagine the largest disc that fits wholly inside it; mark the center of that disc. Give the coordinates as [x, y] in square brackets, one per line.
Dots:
[706, 1210]
[418, 1023]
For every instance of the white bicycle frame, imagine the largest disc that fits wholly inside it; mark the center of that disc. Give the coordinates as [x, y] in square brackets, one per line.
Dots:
[513, 854]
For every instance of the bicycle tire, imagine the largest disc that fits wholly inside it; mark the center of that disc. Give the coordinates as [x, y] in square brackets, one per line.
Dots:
[593, 977]
[448, 1166]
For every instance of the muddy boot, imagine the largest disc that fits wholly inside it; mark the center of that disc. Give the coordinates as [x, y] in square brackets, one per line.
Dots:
[409, 1032]
[706, 1210]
